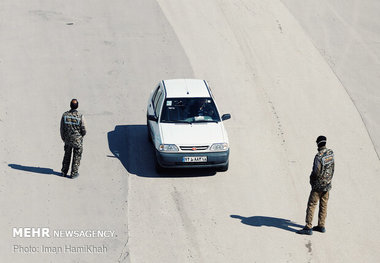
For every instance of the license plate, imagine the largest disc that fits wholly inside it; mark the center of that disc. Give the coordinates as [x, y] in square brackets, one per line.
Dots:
[195, 159]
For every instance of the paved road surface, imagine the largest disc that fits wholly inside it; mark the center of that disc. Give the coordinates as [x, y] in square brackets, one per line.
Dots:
[265, 67]
[347, 35]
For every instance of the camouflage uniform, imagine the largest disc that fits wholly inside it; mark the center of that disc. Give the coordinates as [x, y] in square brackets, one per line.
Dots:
[320, 180]
[72, 131]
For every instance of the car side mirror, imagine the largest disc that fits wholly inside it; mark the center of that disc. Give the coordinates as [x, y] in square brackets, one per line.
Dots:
[152, 118]
[226, 116]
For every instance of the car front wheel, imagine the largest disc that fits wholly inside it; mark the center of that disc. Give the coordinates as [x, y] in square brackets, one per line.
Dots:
[159, 168]
[224, 168]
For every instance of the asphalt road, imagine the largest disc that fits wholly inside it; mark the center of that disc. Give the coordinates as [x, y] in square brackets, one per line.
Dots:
[265, 66]
[346, 34]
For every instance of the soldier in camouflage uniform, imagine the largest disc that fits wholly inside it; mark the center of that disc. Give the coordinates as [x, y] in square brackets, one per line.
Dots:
[320, 180]
[72, 131]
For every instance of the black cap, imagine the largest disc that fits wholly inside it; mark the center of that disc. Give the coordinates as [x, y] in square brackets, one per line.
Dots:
[74, 104]
[321, 140]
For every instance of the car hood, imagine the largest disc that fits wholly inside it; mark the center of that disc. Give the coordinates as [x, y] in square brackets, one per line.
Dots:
[193, 134]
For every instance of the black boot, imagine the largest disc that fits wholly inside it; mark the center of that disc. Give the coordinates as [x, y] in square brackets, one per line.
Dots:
[63, 173]
[305, 231]
[74, 175]
[319, 229]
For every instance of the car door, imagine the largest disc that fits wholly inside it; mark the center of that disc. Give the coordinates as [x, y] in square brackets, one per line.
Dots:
[157, 100]
[150, 109]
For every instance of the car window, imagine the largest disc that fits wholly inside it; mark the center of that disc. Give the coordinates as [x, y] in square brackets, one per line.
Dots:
[190, 110]
[159, 104]
[158, 95]
[155, 93]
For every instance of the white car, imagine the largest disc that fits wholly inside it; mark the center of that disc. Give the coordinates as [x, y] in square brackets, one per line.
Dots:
[185, 127]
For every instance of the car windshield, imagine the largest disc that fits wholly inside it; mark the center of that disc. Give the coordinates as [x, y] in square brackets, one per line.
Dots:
[189, 110]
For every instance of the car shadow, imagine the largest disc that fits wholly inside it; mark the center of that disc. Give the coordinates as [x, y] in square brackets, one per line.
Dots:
[130, 144]
[32, 169]
[259, 221]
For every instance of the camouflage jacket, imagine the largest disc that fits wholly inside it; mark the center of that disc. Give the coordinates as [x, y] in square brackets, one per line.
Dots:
[73, 128]
[323, 170]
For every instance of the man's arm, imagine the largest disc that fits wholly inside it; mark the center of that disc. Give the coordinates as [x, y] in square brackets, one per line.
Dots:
[83, 127]
[62, 129]
[316, 170]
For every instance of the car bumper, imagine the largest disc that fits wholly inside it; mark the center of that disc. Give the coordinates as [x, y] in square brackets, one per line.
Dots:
[175, 160]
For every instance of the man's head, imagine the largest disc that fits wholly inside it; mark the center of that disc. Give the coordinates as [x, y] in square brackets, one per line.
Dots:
[321, 141]
[74, 104]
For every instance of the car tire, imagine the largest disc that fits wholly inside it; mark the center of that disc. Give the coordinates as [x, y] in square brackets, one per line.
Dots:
[149, 134]
[224, 168]
[159, 168]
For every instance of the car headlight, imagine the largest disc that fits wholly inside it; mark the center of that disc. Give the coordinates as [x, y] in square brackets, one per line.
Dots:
[219, 147]
[168, 148]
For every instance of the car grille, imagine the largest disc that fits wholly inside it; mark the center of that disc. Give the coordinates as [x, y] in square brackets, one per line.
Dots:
[193, 148]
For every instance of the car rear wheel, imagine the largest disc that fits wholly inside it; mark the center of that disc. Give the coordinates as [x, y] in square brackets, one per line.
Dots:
[149, 134]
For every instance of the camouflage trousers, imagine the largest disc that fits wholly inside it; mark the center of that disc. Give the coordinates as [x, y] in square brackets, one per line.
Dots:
[67, 159]
[314, 197]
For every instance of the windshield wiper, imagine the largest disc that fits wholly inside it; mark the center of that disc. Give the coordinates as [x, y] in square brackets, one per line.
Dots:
[177, 121]
[205, 121]
[183, 121]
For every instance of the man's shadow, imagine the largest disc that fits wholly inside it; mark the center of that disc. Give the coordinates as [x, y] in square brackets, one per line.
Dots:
[259, 221]
[32, 169]
[130, 144]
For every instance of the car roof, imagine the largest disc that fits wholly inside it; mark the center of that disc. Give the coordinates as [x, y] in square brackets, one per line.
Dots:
[186, 88]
